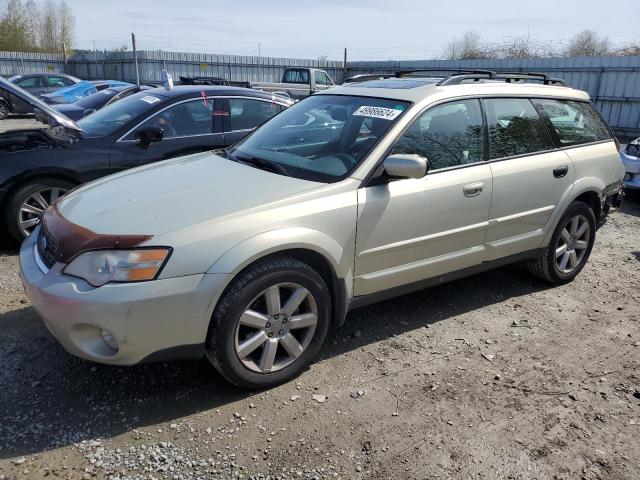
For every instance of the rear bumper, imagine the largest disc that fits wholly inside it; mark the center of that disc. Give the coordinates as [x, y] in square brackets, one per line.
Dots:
[632, 171]
[150, 320]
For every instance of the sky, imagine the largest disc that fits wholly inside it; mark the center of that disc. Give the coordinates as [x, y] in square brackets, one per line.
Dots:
[369, 29]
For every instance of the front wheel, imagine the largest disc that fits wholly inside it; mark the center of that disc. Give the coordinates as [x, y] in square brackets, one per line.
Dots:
[270, 323]
[27, 204]
[570, 246]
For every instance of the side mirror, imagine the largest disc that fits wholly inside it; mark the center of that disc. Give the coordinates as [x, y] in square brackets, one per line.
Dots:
[148, 135]
[405, 165]
[88, 111]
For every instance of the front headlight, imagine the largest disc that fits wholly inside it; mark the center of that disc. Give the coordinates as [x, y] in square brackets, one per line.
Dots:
[99, 267]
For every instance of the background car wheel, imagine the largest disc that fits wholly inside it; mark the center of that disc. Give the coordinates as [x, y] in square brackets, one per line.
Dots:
[569, 247]
[270, 323]
[4, 111]
[28, 203]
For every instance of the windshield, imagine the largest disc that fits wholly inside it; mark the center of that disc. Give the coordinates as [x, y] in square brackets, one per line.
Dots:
[323, 137]
[110, 118]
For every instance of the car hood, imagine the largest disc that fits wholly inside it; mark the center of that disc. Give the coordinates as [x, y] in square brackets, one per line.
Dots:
[58, 118]
[170, 195]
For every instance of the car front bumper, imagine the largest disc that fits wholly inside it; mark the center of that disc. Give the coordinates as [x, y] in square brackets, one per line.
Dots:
[161, 319]
[632, 171]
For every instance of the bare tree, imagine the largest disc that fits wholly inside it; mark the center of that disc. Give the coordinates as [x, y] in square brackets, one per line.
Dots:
[631, 48]
[66, 25]
[588, 43]
[469, 47]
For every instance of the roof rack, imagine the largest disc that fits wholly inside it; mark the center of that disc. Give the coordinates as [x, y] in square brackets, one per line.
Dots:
[460, 75]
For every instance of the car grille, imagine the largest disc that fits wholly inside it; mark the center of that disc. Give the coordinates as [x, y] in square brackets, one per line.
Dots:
[47, 247]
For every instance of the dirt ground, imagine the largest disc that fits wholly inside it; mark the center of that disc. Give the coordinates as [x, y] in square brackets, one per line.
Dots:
[495, 376]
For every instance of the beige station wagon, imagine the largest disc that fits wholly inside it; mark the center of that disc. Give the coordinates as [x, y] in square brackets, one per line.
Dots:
[379, 187]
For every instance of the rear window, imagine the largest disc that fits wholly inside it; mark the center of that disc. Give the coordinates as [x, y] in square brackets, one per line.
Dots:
[573, 122]
[296, 75]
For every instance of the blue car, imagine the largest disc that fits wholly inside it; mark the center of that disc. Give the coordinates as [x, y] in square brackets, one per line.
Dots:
[630, 156]
[75, 92]
[95, 101]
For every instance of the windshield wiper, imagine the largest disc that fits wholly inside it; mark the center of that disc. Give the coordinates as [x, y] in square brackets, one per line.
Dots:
[261, 163]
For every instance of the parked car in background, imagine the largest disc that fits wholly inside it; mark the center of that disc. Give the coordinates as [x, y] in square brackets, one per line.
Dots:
[40, 165]
[250, 257]
[80, 90]
[95, 101]
[630, 156]
[298, 82]
[35, 83]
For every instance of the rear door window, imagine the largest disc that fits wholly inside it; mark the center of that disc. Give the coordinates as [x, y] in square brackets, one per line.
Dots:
[246, 114]
[515, 128]
[574, 123]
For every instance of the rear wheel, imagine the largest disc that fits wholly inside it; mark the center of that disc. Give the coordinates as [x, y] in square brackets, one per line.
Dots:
[569, 247]
[4, 111]
[26, 206]
[270, 324]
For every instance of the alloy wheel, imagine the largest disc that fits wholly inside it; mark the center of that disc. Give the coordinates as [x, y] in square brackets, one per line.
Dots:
[573, 244]
[34, 206]
[276, 328]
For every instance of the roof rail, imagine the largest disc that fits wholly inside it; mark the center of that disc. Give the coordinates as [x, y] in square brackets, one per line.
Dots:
[460, 75]
[508, 77]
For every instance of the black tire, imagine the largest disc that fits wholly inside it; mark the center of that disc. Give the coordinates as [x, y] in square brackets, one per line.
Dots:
[18, 197]
[243, 290]
[4, 110]
[546, 267]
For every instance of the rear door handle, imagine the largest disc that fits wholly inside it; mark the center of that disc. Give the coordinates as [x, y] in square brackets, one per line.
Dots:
[560, 172]
[473, 189]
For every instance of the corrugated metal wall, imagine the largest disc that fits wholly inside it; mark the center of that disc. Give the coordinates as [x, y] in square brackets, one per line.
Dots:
[13, 63]
[612, 82]
[232, 67]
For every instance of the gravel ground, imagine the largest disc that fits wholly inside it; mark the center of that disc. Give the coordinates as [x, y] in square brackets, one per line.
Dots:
[494, 376]
[15, 122]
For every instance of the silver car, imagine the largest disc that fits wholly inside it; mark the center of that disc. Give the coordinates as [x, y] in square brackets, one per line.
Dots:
[630, 157]
[360, 193]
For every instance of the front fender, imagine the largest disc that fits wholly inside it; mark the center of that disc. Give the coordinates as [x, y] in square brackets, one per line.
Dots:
[266, 243]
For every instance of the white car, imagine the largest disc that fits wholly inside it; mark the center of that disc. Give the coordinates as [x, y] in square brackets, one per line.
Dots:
[252, 255]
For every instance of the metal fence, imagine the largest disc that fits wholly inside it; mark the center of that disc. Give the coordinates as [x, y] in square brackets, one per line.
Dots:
[120, 66]
[612, 82]
[12, 63]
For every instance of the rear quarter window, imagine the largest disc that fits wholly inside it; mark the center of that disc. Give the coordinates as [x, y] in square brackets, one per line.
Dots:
[574, 123]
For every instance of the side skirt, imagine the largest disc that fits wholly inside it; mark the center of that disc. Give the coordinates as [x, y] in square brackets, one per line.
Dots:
[364, 300]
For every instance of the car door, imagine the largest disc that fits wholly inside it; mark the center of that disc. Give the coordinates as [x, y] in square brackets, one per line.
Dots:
[243, 114]
[189, 126]
[530, 176]
[413, 229]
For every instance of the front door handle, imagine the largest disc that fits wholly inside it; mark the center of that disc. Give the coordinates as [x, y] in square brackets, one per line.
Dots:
[473, 189]
[560, 172]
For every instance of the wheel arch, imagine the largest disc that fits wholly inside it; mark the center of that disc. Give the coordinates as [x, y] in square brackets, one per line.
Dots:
[314, 248]
[18, 181]
[588, 190]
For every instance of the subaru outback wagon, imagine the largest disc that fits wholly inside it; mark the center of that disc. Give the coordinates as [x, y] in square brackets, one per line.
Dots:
[382, 186]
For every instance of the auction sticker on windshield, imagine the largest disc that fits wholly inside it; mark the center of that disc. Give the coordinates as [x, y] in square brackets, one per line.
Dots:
[377, 112]
[150, 99]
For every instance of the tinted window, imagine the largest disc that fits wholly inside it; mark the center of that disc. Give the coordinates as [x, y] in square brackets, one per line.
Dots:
[322, 137]
[58, 81]
[574, 122]
[295, 75]
[30, 82]
[184, 119]
[447, 135]
[246, 114]
[119, 114]
[515, 128]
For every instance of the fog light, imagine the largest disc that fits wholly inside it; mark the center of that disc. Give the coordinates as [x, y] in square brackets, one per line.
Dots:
[109, 339]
